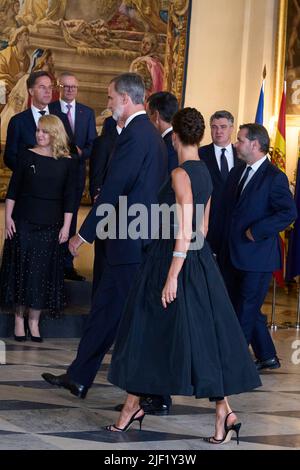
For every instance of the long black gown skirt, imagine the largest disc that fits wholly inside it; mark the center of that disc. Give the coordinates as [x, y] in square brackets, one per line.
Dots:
[195, 346]
[31, 272]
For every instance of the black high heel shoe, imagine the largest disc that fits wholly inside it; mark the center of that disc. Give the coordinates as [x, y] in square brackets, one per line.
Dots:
[20, 338]
[127, 426]
[35, 339]
[229, 430]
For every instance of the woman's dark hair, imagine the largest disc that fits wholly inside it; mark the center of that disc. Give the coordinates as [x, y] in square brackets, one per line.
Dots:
[189, 125]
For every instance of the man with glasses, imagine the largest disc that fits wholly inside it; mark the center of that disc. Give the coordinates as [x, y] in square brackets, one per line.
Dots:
[80, 126]
[22, 127]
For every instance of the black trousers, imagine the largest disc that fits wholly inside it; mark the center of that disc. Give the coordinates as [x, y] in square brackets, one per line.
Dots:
[102, 323]
[247, 291]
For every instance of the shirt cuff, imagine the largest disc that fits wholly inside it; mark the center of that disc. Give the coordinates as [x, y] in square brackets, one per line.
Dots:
[82, 238]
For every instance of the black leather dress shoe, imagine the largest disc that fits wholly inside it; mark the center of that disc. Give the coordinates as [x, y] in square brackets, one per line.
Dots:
[272, 363]
[150, 407]
[63, 381]
[72, 275]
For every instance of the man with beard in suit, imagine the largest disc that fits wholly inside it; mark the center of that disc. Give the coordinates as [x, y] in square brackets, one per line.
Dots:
[257, 205]
[137, 169]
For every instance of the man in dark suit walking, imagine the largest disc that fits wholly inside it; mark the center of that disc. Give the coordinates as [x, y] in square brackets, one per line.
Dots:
[80, 126]
[22, 127]
[220, 157]
[137, 169]
[257, 206]
[161, 108]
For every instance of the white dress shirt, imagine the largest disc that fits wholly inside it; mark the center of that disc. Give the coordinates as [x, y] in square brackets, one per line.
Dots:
[37, 115]
[65, 110]
[167, 131]
[128, 120]
[254, 167]
[228, 155]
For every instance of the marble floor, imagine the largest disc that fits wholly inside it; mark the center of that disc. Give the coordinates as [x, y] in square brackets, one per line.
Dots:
[34, 415]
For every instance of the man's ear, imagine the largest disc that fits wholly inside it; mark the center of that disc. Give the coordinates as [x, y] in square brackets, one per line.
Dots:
[30, 91]
[157, 116]
[256, 145]
[125, 98]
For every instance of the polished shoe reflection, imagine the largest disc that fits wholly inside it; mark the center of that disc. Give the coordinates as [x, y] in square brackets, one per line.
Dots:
[150, 407]
[64, 381]
[272, 363]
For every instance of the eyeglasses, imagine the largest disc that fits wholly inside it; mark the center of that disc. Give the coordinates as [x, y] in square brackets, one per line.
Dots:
[69, 87]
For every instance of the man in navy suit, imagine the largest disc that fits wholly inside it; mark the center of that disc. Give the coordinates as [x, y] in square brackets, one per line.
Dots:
[80, 126]
[22, 127]
[220, 157]
[257, 206]
[161, 108]
[137, 169]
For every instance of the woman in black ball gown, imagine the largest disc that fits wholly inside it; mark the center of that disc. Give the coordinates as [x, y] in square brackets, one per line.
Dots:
[38, 212]
[179, 334]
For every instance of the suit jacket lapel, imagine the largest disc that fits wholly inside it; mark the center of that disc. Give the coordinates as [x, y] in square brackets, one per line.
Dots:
[78, 120]
[30, 121]
[214, 164]
[236, 160]
[255, 180]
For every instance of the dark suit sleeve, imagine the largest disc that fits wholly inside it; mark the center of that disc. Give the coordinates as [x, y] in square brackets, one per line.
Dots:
[98, 162]
[283, 210]
[12, 147]
[123, 171]
[90, 137]
[69, 187]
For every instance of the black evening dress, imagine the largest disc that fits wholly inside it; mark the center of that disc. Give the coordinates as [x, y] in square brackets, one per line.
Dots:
[195, 346]
[31, 272]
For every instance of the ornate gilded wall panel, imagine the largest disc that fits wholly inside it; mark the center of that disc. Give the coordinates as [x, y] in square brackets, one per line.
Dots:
[96, 43]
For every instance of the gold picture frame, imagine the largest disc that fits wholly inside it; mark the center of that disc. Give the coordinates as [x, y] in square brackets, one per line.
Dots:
[287, 47]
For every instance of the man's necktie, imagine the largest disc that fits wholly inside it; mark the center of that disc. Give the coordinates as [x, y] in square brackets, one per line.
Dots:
[69, 115]
[224, 165]
[242, 182]
[42, 113]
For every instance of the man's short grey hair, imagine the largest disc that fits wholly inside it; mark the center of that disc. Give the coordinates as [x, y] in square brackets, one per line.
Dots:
[222, 115]
[67, 74]
[132, 84]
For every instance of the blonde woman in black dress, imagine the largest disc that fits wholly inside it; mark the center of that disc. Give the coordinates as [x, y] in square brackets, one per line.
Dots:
[38, 212]
[179, 334]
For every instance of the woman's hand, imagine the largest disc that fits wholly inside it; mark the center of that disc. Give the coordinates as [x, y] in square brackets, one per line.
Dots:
[63, 235]
[10, 228]
[169, 291]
